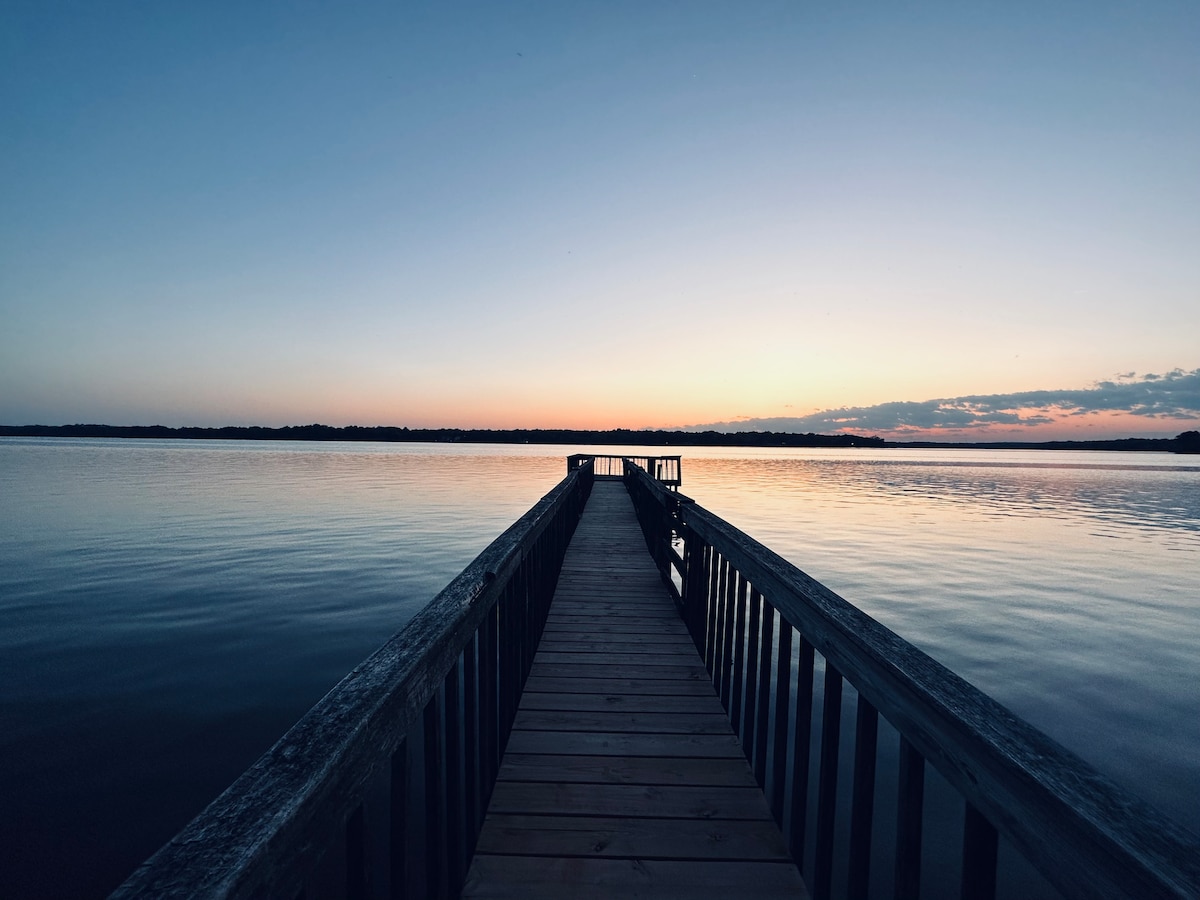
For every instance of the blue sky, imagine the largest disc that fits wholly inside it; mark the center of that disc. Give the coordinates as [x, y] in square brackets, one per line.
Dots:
[591, 215]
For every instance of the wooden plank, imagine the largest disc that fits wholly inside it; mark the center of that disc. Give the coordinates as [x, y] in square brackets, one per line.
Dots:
[610, 702]
[598, 670]
[625, 770]
[626, 685]
[667, 645]
[572, 636]
[594, 626]
[673, 649]
[615, 598]
[598, 836]
[658, 801]
[555, 657]
[616, 744]
[667, 614]
[628, 722]
[535, 877]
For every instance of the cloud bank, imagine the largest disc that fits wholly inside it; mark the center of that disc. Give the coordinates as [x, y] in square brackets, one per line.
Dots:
[1165, 401]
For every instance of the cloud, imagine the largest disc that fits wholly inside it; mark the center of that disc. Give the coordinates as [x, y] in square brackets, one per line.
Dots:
[1168, 398]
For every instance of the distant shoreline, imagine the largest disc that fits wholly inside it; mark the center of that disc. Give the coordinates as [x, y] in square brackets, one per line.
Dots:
[1188, 442]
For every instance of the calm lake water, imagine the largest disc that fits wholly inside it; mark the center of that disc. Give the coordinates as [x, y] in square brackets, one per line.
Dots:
[169, 608]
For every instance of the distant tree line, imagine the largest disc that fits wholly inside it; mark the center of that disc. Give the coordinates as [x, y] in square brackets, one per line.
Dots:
[1187, 442]
[451, 435]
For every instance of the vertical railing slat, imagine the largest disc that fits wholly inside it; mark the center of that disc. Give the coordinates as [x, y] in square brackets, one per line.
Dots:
[738, 657]
[763, 714]
[831, 729]
[472, 744]
[728, 591]
[980, 850]
[456, 853]
[398, 824]
[909, 809]
[802, 748]
[435, 848]
[862, 803]
[745, 725]
[783, 681]
[711, 642]
[356, 855]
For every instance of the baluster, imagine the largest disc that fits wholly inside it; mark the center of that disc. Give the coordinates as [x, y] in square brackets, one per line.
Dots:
[726, 639]
[739, 652]
[520, 608]
[398, 866]
[506, 652]
[698, 590]
[356, 855]
[763, 715]
[802, 748]
[487, 707]
[908, 822]
[729, 605]
[471, 740]
[712, 607]
[980, 846]
[455, 851]
[688, 595]
[783, 682]
[754, 606]
[862, 809]
[435, 849]
[831, 729]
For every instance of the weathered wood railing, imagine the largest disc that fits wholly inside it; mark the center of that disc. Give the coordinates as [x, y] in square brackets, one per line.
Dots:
[758, 622]
[664, 469]
[409, 742]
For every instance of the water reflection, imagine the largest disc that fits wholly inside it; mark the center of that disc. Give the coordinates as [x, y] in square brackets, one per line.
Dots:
[168, 608]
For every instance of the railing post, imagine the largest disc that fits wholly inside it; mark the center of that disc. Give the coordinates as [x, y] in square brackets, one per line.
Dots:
[456, 854]
[802, 750]
[398, 862]
[745, 727]
[435, 848]
[356, 855]
[862, 804]
[783, 683]
[739, 649]
[763, 714]
[712, 608]
[980, 846]
[831, 727]
[728, 607]
[909, 809]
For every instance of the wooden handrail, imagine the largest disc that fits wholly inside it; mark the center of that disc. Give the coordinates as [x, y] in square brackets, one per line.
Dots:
[1085, 834]
[445, 687]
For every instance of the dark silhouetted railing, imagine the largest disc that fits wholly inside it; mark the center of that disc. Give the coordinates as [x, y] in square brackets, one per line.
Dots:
[380, 789]
[760, 624]
[664, 469]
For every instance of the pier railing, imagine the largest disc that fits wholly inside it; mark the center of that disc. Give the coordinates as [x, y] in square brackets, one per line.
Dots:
[664, 469]
[760, 624]
[381, 788]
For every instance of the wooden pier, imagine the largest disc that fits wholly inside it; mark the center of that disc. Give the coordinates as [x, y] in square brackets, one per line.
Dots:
[624, 695]
[622, 776]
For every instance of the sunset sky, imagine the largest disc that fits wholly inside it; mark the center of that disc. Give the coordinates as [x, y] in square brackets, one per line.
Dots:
[952, 219]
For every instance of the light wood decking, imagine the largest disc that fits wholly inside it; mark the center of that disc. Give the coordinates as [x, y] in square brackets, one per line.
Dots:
[622, 777]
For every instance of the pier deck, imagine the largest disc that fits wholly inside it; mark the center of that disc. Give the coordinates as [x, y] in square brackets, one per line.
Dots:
[622, 777]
